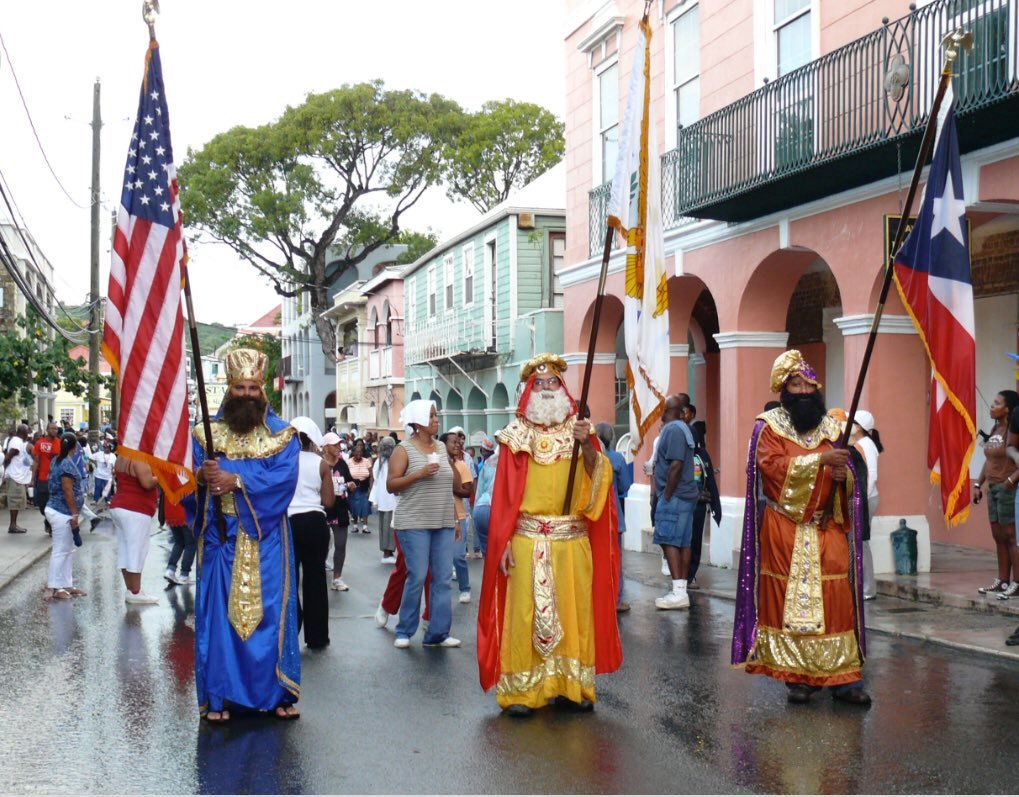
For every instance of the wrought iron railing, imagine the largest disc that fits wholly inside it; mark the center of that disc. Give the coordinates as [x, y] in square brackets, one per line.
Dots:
[870, 92]
[598, 213]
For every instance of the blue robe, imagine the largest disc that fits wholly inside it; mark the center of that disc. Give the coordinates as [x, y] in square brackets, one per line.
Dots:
[246, 645]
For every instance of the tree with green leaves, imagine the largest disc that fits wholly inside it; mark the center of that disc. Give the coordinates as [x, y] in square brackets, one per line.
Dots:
[271, 347]
[501, 148]
[340, 169]
[418, 244]
[30, 360]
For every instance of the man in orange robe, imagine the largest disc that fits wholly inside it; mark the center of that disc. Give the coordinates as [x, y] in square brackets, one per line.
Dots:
[547, 618]
[799, 604]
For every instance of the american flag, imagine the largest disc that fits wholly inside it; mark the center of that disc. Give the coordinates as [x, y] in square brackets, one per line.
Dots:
[932, 274]
[144, 335]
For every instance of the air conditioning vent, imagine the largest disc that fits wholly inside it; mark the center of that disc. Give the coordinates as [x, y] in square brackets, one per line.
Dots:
[525, 221]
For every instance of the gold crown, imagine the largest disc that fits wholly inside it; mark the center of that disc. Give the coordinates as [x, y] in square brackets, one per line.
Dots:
[546, 363]
[246, 364]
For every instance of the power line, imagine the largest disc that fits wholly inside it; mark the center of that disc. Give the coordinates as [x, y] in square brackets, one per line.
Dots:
[31, 123]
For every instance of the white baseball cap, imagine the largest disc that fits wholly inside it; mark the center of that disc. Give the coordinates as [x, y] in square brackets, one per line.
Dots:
[865, 420]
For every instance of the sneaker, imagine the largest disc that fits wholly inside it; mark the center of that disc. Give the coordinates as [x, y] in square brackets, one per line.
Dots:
[673, 600]
[172, 577]
[16, 530]
[381, 617]
[997, 586]
[365, 530]
[448, 642]
[1008, 591]
[692, 584]
[465, 597]
[339, 585]
[402, 643]
[389, 560]
[188, 578]
[665, 567]
[140, 597]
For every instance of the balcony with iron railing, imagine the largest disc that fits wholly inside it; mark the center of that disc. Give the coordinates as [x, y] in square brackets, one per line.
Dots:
[851, 117]
[448, 336]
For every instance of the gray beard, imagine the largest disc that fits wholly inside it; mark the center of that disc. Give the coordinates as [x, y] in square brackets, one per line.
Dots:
[548, 408]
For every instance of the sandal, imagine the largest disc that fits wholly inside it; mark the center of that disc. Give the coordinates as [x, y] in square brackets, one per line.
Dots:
[287, 712]
[77, 593]
[61, 594]
[217, 717]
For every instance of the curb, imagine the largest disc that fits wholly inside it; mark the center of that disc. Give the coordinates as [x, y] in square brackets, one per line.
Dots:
[918, 594]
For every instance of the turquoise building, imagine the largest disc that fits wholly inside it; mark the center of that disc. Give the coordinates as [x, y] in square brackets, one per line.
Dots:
[482, 303]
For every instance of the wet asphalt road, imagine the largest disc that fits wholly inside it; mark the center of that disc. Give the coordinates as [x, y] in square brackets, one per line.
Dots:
[99, 698]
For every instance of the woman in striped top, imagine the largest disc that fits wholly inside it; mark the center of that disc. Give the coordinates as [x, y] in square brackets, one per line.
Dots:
[420, 473]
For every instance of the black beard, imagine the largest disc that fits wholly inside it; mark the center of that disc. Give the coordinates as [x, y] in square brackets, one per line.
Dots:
[243, 414]
[805, 409]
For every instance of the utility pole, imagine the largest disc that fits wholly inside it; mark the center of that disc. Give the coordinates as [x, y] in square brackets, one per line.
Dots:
[115, 387]
[93, 316]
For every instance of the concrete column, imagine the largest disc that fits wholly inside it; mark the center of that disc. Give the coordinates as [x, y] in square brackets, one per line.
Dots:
[745, 372]
[602, 399]
[895, 392]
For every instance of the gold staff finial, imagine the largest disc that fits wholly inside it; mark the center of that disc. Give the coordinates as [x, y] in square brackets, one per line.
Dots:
[953, 42]
[149, 10]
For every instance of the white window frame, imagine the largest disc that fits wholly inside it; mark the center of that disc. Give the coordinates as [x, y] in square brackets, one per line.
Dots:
[555, 288]
[448, 282]
[491, 265]
[408, 302]
[596, 128]
[671, 107]
[766, 37]
[433, 299]
[467, 254]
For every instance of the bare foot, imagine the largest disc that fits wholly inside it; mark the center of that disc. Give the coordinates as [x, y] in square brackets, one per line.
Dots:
[217, 717]
[287, 712]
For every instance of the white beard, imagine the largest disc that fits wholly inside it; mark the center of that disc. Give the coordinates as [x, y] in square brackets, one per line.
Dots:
[548, 408]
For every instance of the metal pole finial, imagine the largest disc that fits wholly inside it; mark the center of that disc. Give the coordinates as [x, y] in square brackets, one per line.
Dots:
[955, 40]
[149, 10]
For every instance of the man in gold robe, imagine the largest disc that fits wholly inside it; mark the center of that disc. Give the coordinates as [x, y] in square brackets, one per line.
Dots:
[547, 620]
[799, 603]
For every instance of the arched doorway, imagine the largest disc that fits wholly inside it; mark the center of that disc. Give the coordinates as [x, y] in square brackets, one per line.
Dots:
[454, 410]
[384, 415]
[500, 412]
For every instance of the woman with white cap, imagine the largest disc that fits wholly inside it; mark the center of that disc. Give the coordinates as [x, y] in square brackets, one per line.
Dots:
[420, 473]
[307, 515]
[868, 442]
[338, 518]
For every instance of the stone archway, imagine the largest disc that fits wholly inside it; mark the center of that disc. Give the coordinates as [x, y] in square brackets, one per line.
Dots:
[500, 407]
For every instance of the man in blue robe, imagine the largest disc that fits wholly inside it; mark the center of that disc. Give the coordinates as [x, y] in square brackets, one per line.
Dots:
[246, 647]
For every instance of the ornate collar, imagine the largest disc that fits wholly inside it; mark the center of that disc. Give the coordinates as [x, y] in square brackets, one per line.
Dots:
[259, 442]
[544, 444]
[778, 420]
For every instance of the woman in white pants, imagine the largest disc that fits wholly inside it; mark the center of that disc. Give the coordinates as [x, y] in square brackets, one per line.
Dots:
[67, 495]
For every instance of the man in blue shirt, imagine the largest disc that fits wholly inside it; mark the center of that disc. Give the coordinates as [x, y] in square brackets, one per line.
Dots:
[677, 498]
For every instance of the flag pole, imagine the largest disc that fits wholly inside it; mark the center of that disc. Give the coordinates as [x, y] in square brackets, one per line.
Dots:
[149, 10]
[952, 44]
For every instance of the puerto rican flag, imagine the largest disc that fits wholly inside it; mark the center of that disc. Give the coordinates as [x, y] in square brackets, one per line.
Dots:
[932, 274]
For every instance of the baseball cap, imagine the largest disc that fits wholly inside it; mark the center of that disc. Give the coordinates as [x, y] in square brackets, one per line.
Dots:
[331, 439]
[488, 444]
[865, 420]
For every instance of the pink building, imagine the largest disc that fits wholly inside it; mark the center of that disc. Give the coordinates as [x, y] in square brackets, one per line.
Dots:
[384, 386]
[783, 125]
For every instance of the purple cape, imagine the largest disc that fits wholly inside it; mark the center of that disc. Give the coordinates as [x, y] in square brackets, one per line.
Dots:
[744, 630]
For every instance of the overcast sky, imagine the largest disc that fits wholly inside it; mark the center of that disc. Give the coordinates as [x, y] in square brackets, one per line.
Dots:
[227, 64]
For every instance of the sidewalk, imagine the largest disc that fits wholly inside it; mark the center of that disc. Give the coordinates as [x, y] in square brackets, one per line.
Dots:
[941, 607]
[18, 552]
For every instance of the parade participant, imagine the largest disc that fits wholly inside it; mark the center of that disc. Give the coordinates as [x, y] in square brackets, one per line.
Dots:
[421, 474]
[67, 494]
[547, 620]
[246, 648]
[132, 509]
[338, 518]
[799, 603]
[383, 500]
[18, 472]
[185, 546]
[45, 449]
[622, 480]
[357, 500]
[454, 445]
[483, 495]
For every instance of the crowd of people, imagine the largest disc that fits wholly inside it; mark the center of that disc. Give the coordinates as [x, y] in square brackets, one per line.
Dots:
[273, 509]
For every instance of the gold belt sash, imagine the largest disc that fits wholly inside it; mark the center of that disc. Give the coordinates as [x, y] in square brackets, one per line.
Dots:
[547, 632]
[803, 612]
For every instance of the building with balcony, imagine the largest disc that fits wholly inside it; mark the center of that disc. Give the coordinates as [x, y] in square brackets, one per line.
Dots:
[350, 407]
[789, 130]
[385, 346]
[309, 377]
[483, 302]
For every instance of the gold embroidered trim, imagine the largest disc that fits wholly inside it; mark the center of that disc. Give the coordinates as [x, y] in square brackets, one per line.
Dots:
[804, 603]
[245, 603]
[780, 423]
[544, 444]
[289, 684]
[799, 485]
[257, 443]
[809, 655]
[547, 630]
[551, 667]
[833, 577]
[554, 527]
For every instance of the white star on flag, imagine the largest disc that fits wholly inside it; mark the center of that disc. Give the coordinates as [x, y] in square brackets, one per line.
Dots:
[948, 212]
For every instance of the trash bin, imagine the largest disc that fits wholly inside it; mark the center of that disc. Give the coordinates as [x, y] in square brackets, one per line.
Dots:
[904, 548]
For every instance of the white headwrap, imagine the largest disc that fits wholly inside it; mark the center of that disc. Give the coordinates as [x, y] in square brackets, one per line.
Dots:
[302, 423]
[417, 412]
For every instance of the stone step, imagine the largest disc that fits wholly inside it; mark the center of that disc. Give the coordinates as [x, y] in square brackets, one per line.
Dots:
[905, 589]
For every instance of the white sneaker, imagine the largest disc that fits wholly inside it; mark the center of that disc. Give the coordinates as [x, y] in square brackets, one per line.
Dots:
[339, 585]
[673, 600]
[140, 597]
[465, 597]
[172, 577]
[665, 567]
[448, 642]
[190, 579]
[402, 643]
[381, 617]
[389, 560]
